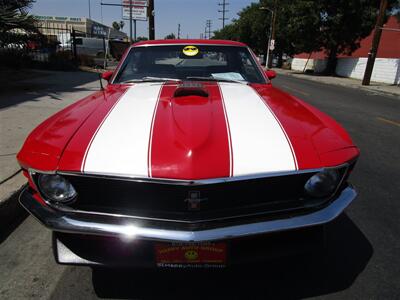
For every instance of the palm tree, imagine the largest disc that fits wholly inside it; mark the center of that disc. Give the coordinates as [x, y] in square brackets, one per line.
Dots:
[15, 21]
[115, 25]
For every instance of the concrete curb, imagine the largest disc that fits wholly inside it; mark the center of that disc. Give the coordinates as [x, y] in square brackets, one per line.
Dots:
[330, 81]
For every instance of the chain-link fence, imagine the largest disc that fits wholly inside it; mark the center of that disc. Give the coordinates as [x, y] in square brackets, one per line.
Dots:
[60, 47]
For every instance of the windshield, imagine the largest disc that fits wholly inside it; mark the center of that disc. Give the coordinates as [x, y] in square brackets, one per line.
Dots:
[190, 62]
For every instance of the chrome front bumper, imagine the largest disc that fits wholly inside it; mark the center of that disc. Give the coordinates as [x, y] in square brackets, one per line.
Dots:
[127, 227]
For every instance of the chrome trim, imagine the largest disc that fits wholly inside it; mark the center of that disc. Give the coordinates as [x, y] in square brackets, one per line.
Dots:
[183, 44]
[127, 228]
[127, 177]
[67, 209]
[192, 182]
[116, 71]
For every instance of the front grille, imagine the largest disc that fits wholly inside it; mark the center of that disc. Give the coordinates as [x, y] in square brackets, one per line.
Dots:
[270, 195]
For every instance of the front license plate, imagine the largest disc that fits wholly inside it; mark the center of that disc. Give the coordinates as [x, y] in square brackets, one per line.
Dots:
[203, 255]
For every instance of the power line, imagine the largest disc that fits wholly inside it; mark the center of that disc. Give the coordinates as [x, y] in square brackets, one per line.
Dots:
[223, 11]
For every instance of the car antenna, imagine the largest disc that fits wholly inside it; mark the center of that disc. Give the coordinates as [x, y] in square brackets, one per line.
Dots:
[101, 83]
[99, 73]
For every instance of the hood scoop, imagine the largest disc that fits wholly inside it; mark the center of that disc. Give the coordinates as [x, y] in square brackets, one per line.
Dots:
[190, 89]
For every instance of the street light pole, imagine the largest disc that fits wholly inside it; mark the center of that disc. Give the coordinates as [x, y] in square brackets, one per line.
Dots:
[269, 34]
[90, 17]
[272, 34]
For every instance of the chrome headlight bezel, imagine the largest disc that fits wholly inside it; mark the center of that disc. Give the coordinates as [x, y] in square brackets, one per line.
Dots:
[56, 189]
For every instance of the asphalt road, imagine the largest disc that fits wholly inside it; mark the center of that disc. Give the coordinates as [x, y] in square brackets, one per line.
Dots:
[363, 258]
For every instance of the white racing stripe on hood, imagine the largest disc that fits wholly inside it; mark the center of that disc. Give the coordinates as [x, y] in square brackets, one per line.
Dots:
[259, 143]
[121, 144]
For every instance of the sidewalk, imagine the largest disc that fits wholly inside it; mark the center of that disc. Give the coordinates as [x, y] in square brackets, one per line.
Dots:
[27, 98]
[375, 87]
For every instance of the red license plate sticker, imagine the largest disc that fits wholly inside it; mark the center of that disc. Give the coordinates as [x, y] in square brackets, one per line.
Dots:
[207, 255]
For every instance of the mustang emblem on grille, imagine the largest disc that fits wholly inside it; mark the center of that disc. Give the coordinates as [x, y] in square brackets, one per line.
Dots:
[193, 200]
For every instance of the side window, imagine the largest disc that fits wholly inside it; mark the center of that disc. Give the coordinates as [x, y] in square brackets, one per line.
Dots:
[213, 58]
[245, 59]
[135, 59]
[249, 68]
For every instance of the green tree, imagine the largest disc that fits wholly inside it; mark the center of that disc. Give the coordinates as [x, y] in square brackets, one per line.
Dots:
[297, 25]
[337, 26]
[141, 38]
[249, 28]
[15, 22]
[229, 32]
[343, 24]
[170, 36]
[121, 25]
[116, 25]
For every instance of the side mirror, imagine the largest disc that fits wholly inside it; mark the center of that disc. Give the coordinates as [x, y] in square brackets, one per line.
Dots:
[107, 75]
[270, 74]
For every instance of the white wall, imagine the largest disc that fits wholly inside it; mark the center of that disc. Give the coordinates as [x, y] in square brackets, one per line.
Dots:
[299, 63]
[318, 65]
[386, 70]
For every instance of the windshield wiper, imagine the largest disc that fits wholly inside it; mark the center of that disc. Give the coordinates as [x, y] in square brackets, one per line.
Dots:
[216, 79]
[151, 79]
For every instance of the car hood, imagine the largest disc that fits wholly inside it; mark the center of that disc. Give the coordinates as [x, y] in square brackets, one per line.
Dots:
[228, 129]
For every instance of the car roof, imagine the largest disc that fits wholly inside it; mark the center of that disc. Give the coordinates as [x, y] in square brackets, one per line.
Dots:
[189, 42]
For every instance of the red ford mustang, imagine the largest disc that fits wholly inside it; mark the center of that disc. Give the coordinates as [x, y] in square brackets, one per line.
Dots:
[188, 158]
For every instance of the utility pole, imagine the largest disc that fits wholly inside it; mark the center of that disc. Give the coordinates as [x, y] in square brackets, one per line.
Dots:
[205, 32]
[134, 30]
[101, 12]
[90, 17]
[223, 11]
[130, 21]
[179, 31]
[208, 27]
[151, 20]
[375, 43]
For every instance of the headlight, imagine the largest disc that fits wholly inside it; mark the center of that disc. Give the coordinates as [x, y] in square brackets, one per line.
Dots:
[322, 184]
[56, 188]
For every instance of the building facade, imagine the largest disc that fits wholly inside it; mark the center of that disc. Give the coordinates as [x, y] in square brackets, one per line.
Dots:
[82, 26]
[387, 63]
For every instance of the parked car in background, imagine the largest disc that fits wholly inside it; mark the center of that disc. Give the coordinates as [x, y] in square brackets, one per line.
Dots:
[91, 46]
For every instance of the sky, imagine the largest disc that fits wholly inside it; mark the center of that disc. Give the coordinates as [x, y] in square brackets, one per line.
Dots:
[191, 14]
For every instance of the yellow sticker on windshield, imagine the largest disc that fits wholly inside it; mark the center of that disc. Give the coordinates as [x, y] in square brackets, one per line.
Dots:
[190, 51]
